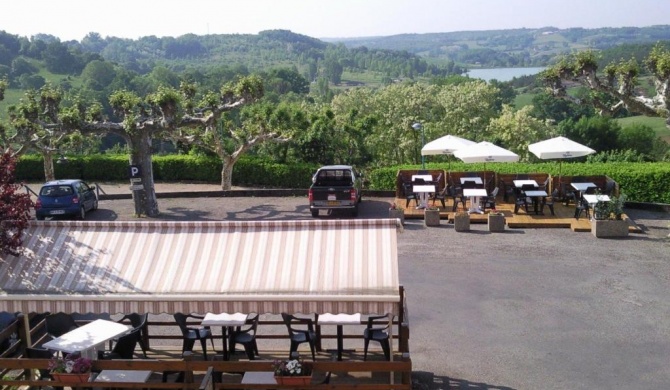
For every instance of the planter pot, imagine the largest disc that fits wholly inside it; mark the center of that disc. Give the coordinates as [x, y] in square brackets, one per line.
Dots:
[294, 380]
[431, 217]
[462, 222]
[609, 228]
[496, 223]
[70, 378]
[397, 213]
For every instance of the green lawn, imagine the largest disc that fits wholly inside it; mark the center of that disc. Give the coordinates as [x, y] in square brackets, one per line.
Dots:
[523, 99]
[656, 123]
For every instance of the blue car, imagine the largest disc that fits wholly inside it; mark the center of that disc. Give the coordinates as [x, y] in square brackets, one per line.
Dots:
[65, 198]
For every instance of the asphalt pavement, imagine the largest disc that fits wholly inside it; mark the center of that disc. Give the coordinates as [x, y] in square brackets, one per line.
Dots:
[524, 309]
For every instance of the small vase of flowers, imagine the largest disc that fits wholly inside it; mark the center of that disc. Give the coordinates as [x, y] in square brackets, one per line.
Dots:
[70, 369]
[292, 372]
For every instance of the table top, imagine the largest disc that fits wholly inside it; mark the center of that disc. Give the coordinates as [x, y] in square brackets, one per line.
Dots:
[477, 180]
[595, 198]
[123, 376]
[521, 183]
[474, 192]
[339, 319]
[423, 188]
[535, 193]
[87, 336]
[224, 319]
[582, 186]
[259, 378]
[424, 177]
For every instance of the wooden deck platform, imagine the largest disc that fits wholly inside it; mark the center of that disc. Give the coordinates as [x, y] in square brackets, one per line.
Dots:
[564, 216]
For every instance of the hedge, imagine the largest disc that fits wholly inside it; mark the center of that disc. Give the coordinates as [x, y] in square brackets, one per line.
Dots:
[641, 182]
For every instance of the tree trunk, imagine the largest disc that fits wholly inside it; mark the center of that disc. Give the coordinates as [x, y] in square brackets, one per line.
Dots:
[140, 155]
[227, 173]
[48, 165]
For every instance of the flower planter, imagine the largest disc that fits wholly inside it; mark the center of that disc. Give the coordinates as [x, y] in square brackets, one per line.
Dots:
[397, 213]
[462, 222]
[609, 228]
[496, 222]
[70, 378]
[431, 217]
[294, 380]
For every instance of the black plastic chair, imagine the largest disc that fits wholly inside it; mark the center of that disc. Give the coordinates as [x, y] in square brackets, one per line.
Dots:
[490, 200]
[60, 323]
[409, 194]
[457, 197]
[379, 334]
[190, 333]
[567, 194]
[40, 353]
[551, 201]
[124, 347]
[298, 335]
[584, 206]
[246, 337]
[138, 321]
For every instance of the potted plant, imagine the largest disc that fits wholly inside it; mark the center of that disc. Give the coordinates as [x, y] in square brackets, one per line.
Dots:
[608, 220]
[293, 372]
[397, 211]
[462, 221]
[496, 221]
[70, 369]
[431, 216]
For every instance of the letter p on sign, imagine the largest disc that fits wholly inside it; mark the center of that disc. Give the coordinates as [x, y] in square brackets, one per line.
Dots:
[134, 171]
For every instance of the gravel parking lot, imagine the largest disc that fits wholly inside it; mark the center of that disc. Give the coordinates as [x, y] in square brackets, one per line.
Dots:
[524, 309]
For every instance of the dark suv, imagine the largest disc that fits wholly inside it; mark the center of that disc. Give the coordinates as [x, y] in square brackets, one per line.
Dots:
[69, 198]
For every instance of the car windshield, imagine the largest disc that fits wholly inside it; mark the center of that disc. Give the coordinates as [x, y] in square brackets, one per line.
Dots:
[54, 191]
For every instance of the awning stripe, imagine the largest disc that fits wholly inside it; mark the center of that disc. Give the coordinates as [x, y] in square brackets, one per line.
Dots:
[148, 266]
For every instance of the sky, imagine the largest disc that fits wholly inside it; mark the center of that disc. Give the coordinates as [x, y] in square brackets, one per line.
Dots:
[74, 19]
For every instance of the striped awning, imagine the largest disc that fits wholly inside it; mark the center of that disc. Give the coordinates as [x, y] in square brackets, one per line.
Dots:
[336, 266]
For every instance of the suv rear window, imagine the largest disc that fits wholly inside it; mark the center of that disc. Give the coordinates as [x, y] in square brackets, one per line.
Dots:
[55, 191]
[334, 177]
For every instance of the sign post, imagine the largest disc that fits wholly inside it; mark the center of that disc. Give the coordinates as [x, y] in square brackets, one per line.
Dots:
[135, 174]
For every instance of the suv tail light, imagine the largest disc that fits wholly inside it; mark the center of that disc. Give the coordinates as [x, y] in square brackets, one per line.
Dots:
[75, 200]
[353, 195]
[310, 195]
[38, 204]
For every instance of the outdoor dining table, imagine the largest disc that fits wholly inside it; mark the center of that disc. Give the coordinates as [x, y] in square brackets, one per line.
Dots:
[423, 190]
[226, 321]
[87, 338]
[535, 196]
[581, 187]
[521, 183]
[127, 376]
[474, 194]
[476, 179]
[339, 320]
[592, 199]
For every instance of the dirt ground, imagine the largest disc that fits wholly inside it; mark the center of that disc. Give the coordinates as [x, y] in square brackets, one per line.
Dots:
[524, 309]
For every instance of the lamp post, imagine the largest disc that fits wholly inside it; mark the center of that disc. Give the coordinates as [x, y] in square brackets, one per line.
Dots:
[418, 126]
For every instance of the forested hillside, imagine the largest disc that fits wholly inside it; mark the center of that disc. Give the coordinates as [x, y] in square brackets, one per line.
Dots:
[510, 48]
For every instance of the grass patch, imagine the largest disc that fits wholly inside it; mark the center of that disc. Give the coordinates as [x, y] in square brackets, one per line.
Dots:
[656, 123]
[523, 99]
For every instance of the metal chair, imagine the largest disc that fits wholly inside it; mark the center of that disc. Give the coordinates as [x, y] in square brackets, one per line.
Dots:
[246, 337]
[191, 333]
[60, 323]
[379, 334]
[298, 335]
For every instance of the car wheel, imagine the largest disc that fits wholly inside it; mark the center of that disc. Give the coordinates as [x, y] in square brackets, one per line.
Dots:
[82, 213]
[315, 213]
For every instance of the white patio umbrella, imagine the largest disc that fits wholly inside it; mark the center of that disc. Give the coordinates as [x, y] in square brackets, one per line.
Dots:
[559, 148]
[445, 145]
[485, 152]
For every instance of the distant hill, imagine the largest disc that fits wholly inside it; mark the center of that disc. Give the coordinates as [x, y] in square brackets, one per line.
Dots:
[509, 48]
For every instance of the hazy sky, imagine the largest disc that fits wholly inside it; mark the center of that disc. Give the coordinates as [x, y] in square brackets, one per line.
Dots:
[73, 19]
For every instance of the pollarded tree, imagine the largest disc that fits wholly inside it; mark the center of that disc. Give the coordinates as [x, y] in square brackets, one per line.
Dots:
[14, 207]
[516, 129]
[617, 81]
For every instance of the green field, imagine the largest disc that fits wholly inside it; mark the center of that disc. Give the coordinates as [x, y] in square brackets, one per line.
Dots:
[523, 99]
[656, 123]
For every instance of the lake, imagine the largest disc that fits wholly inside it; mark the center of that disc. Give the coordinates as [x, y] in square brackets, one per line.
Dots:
[503, 74]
